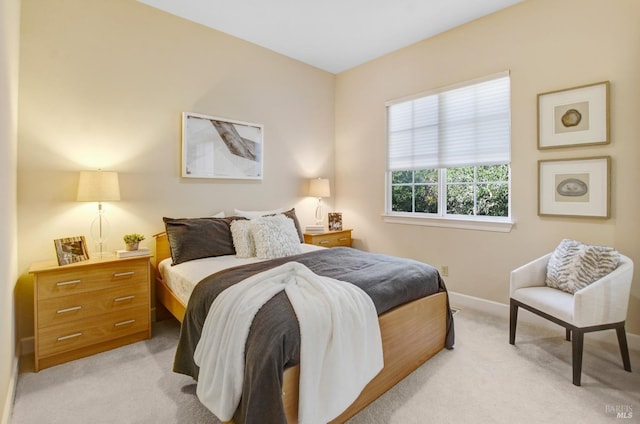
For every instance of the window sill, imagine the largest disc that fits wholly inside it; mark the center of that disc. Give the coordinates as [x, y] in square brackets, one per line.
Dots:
[501, 226]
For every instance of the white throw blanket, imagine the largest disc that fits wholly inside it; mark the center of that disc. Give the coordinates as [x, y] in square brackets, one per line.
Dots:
[340, 351]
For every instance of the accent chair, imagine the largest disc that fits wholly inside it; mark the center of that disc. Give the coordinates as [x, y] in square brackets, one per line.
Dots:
[601, 305]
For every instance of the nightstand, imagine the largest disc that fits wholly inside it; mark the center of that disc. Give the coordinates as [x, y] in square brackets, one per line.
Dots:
[329, 238]
[88, 307]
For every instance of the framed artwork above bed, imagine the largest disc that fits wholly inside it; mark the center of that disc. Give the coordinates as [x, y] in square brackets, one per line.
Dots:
[214, 147]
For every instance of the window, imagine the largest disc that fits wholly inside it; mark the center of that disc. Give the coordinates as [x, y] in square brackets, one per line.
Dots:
[449, 153]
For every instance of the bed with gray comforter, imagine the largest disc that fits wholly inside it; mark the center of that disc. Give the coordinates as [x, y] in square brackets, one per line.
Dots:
[274, 339]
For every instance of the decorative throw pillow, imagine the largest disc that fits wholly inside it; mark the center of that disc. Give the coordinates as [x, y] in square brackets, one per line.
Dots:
[243, 239]
[196, 238]
[275, 237]
[574, 265]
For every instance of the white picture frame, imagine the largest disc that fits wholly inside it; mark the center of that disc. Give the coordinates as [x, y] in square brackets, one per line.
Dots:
[574, 187]
[215, 147]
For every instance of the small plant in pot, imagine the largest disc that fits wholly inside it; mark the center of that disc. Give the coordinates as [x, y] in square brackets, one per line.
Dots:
[132, 241]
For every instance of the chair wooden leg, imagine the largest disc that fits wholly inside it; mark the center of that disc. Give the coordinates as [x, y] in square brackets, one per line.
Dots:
[624, 348]
[576, 347]
[513, 319]
[568, 335]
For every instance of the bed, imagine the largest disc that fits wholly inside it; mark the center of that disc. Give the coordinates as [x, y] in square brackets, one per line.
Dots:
[412, 331]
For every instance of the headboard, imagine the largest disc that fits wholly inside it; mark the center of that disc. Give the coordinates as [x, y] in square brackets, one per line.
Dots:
[162, 247]
[164, 295]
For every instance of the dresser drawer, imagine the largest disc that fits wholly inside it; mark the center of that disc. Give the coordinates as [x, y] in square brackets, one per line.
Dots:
[89, 331]
[340, 238]
[58, 310]
[63, 282]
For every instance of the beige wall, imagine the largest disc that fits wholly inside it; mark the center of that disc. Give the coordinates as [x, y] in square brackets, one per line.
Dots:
[547, 45]
[9, 48]
[103, 85]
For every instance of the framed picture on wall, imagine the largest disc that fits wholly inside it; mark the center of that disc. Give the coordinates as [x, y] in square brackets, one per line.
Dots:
[71, 249]
[214, 147]
[573, 117]
[574, 187]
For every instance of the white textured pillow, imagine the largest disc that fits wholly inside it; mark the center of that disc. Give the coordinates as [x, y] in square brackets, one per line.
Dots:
[275, 237]
[256, 214]
[574, 265]
[242, 238]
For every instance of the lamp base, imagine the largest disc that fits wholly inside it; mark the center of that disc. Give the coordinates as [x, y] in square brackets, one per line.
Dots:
[101, 251]
[99, 232]
[319, 212]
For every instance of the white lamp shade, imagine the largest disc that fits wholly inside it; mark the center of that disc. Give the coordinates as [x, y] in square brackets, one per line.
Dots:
[98, 186]
[319, 187]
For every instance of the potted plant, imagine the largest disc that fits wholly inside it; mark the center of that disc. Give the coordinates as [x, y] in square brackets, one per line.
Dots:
[132, 241]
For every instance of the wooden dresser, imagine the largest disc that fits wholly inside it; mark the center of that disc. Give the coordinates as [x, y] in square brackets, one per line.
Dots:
[329, 238]
[89, 307]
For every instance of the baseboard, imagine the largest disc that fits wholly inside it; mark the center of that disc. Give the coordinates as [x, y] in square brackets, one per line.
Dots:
[462, 301]
[7, 408]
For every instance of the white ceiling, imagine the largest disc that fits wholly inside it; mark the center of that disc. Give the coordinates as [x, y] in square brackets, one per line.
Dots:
[333, 35]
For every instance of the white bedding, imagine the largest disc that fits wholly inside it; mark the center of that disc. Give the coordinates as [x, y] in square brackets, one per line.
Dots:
[182, 278]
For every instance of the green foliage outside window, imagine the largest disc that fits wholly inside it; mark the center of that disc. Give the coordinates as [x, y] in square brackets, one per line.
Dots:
[470, 191]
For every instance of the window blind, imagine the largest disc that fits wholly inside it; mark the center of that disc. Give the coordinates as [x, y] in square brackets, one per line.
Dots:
[469, 125]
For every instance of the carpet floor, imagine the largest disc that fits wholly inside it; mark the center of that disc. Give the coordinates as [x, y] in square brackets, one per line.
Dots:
[483, 380]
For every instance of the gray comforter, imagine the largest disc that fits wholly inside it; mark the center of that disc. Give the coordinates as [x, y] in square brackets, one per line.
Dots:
[274, 340]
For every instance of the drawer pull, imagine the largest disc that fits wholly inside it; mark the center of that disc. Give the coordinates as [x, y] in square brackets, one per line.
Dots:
[343, 239]
[122, 299]
[67, 283]
[123, 274]
[75, 308]
[120, 324]
[324, 241]
[70, 336]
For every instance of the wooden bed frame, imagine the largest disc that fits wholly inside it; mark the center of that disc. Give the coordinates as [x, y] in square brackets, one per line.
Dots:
[411, 334]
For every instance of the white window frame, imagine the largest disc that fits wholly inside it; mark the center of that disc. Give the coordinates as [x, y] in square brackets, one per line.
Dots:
[475, 222]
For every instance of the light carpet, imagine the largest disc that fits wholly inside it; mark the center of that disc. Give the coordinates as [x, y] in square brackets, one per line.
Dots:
[483, 380]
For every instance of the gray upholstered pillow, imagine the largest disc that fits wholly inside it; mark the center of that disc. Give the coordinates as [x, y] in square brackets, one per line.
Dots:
[196, 238]
[275, 237]
[574, 265]
[291, 214]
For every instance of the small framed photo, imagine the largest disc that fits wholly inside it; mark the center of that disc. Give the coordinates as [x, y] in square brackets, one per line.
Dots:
[574, 187]
[71, 249]
[214, 147]
[335, 221]
[574, 117]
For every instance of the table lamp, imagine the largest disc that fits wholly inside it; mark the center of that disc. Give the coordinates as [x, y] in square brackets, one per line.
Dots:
[99, 186]
[319, 187]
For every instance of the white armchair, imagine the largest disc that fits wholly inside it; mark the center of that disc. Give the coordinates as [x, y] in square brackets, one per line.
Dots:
[601, 305]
